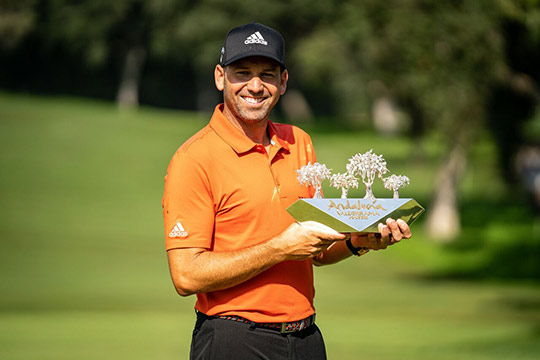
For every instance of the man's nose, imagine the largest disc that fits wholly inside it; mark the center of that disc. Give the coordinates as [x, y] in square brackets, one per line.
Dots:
[255, 84]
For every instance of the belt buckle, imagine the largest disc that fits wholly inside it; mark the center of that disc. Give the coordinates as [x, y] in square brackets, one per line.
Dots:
[302, 324]
[284, 329]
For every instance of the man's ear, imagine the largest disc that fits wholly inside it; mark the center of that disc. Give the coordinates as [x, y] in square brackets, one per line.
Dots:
[219, 77]
[283, 83]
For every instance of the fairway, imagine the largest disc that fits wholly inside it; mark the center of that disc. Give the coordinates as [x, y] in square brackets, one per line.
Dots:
[83, 272]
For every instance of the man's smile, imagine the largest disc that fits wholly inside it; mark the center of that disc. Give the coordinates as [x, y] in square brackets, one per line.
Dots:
[253, 100]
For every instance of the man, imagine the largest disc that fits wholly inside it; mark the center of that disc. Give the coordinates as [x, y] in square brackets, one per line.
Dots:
[229, 238]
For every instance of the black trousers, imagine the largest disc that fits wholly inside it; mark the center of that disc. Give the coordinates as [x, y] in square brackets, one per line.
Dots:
[220, 339]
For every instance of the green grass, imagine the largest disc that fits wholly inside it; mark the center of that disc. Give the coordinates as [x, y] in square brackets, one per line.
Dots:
[83, 271]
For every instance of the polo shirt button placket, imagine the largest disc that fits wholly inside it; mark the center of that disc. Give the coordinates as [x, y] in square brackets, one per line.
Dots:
[275, 179]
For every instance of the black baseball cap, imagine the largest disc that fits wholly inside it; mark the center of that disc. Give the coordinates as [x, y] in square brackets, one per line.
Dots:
[253, 40]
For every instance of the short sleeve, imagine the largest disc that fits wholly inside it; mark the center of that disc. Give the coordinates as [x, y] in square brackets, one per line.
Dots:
[188, 209]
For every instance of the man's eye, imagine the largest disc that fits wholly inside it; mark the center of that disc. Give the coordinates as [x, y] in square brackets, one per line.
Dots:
[268, 75]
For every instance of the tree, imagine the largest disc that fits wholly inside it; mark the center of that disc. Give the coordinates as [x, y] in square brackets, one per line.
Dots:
[344, 181]
[516, 96]
[436, 59]
[394, 183]
[313, 175]
[103, 30]
[17, 18]
[367, 166]
[124, 32]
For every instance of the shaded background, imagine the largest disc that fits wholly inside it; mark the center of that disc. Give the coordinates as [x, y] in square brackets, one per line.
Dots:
[97, 95]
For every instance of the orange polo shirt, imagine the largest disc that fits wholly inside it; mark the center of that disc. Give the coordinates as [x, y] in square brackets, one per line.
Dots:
[223, 192]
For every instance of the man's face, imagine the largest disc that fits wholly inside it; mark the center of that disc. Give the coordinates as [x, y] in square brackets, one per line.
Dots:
[251, 88]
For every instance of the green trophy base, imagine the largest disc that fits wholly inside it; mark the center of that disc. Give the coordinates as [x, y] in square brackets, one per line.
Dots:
[355, 215]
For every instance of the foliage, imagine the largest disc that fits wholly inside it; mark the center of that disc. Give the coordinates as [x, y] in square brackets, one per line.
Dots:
[344, 181]
[436, 59]
[16, 20]
[313, 175]
[367, 166]
[395, 182]
[103, 29]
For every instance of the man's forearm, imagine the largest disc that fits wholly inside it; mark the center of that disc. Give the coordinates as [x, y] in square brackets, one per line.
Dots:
[197, 270]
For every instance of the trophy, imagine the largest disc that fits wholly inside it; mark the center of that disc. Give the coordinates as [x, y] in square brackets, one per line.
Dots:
[354, 215]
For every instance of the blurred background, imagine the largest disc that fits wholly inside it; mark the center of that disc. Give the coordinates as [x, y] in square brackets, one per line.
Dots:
[95, 97]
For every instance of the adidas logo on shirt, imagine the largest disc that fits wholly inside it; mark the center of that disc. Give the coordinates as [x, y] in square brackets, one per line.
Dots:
[178, 231]
[255, 38]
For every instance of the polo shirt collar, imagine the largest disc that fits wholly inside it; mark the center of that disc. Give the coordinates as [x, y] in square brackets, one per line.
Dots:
[275, 138]
[235, 139]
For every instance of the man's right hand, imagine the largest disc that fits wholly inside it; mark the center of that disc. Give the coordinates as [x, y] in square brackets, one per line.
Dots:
[305, 240]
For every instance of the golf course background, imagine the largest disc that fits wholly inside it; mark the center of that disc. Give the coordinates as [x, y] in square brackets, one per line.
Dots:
[83, 272]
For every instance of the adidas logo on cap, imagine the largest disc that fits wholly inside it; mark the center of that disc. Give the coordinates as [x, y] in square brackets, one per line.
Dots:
[255, 38]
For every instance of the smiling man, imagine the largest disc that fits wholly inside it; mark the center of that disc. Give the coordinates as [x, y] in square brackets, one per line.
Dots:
[229, 238]
[251, 88]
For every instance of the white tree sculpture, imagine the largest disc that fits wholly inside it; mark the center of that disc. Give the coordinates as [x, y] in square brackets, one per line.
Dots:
[313, 175]
[367, 166]
[395, 182]
[344, 182]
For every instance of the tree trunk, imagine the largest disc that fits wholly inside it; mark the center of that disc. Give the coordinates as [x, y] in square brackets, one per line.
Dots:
[128, 91]
[386, 119]
[295, 106]
[369, 192]
[443, 220]
[207, 95]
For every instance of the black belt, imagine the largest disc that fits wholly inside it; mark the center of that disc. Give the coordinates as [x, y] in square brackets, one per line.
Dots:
[282, 327]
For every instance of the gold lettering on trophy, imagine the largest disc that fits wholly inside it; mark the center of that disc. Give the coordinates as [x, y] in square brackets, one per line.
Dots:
[355, 214]
[356, 209]
[355, 206]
